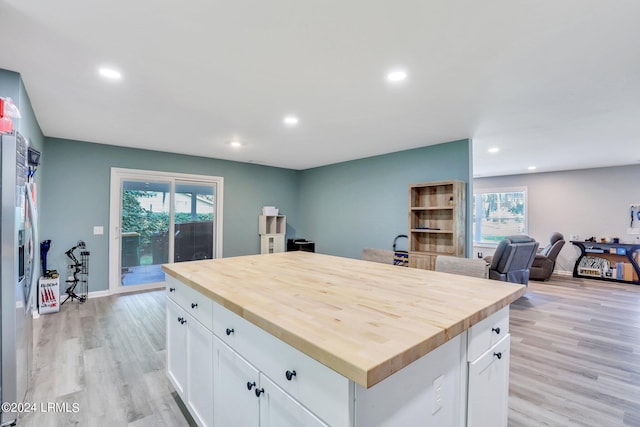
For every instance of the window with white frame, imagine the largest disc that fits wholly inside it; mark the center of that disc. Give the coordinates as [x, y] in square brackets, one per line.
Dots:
[498, 213]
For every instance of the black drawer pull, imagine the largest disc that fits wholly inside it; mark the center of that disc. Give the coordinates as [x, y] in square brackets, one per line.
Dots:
[498, 355]
[180, 319]
[250, 385]
[229, 331]
[194, 305]
[290, 375]
[259, 391]
[496, 330]
[172, 289]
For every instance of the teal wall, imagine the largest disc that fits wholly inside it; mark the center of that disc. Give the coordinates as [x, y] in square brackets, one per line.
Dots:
[77, 197]
[363, 203]
[342, 207]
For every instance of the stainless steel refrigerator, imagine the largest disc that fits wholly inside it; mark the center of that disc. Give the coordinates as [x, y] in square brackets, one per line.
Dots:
[18, 269]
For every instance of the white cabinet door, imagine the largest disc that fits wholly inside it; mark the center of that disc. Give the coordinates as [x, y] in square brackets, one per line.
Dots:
[488, 398]
[200, 372]
[236, 382]
[278, 409]
[177, 347]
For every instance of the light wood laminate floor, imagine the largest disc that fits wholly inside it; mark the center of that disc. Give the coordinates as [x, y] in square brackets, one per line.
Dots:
[108, 357]
[575, 359]
[575, 354]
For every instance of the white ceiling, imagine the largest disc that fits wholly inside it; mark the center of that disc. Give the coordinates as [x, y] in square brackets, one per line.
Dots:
[552, 83]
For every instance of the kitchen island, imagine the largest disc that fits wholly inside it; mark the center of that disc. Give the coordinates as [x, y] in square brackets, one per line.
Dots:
[300, 338]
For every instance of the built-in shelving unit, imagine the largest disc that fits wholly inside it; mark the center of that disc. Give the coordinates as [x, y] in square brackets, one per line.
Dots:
[436, 221]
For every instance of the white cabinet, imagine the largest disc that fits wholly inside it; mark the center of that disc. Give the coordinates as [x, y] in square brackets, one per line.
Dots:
[236, 403]
[487, 333]
[489, 387]
[278, 409]
[271, 243]
[176, 347]
[488, 372]
[318, 388]
[247, 398]
[200, 372]
[190, 350]
[230, 372]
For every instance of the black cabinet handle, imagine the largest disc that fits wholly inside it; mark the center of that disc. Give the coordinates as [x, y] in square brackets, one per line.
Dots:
[250, 385]
[229, 331]
[496, 330]
[290, 375]
[172, 289]
[259, 391]
[498, 355]
[194, 305]
[180, 319]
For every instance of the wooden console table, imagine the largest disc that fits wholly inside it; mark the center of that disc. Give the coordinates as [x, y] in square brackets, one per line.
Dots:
[614, 253]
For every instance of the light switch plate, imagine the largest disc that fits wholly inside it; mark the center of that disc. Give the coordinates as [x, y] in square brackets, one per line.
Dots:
[98, 229]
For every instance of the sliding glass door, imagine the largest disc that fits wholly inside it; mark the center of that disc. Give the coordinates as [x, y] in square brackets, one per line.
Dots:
[194, 221]
[158, 218]
[144, 231]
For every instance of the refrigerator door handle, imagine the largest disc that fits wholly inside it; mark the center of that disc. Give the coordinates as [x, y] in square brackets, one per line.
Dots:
[33, 280]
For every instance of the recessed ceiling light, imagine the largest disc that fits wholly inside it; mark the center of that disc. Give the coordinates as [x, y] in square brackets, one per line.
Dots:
[531, 168]
[290, 120]
[397, 76]
[110, 73]
[493, 150]
[235, 144]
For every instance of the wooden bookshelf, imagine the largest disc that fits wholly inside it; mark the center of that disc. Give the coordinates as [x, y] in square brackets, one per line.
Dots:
[436, 221]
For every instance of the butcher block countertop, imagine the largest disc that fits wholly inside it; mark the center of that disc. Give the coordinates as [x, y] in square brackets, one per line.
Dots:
[362, 319]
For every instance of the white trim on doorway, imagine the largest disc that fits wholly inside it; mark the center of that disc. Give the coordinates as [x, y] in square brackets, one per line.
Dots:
[120, 174]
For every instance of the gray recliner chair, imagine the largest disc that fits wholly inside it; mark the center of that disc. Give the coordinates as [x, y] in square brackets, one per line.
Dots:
[512, 259]
[545, 260]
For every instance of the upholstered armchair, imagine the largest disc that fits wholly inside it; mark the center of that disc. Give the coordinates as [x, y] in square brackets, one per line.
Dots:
[512, 259]
[545, 260]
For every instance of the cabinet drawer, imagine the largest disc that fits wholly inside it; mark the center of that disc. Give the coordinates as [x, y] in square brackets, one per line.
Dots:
[320, 389]
[176, 291]
[232, 329]
[192, 301]
[486, 333]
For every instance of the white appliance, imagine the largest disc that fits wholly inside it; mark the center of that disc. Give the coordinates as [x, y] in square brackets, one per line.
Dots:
[18, 270]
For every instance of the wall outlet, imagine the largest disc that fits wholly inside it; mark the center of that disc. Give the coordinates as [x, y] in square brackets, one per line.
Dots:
[437, 393]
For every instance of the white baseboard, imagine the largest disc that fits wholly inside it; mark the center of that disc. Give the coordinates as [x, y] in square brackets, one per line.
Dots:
[563, 273]
[99, 294]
